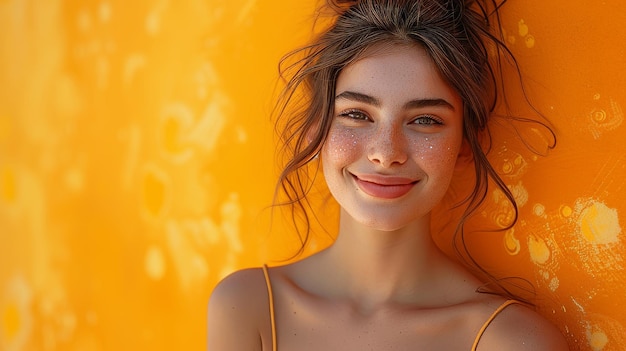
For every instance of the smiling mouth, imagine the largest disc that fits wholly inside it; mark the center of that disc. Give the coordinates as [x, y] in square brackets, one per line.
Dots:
[385, 188]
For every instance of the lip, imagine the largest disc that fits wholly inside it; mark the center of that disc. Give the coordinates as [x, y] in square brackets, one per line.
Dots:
[384, 187]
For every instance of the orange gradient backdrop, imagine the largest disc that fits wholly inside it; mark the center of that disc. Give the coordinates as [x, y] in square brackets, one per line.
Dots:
[137, 166]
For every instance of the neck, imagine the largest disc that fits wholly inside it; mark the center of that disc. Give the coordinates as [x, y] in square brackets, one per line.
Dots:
[382, 266]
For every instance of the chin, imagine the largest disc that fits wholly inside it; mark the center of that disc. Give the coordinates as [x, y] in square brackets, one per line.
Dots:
[385, 217]
[386, 223]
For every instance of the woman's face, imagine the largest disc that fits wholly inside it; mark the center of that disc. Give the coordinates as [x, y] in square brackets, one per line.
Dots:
[394, 139]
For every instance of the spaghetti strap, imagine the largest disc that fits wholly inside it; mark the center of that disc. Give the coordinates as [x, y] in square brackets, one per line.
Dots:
[271, 305]
[491, 318]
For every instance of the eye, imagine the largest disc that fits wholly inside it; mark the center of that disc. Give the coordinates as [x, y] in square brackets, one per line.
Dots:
[354, 115]
[427, 120]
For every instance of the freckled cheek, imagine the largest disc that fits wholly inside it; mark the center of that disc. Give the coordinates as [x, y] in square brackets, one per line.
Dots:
[436, 151]
[342, 146]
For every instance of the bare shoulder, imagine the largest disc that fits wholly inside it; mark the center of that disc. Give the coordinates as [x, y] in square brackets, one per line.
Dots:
[238, 312]
[520, 328]
[238, 288]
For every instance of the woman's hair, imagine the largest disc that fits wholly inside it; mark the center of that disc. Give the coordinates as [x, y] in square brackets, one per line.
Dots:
[462, 38]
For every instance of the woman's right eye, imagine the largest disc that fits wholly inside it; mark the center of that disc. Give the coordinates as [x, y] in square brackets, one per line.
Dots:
[355, 115]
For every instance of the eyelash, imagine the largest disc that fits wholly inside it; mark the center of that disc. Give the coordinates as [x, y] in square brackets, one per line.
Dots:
[430, 119]
[350, 114]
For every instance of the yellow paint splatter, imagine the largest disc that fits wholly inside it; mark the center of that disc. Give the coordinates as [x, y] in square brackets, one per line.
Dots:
[104, 12]
[524, 32]
[539, 210]
[153, 23]
[15, 315]
[554, 283]
[520, 194]
[153, 19]
[599, 224]
[155, 263]
[206, 79]
[181, 132]
[206, 132]
[511, 39]
[507, 167]
[83, 21]
[529, 40]
[244, 13]
[539, 251]
[513, 164]
[566, 211]
[74, 180]
[171, 132]
[132, 65]
[177, 120]
[598, 115]
[597, 340]
[188, 263]
[154, 187]
[618, 113]
[522, 28]
[505, 214]
[605, 118]
[505, 218]
[242, 136]
[511, 243]
[231, 215]
[66, 95]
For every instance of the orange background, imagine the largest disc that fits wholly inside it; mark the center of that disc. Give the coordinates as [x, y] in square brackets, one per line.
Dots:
[136, 166]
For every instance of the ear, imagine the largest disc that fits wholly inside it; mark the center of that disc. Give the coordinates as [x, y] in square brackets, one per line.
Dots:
[465, 157]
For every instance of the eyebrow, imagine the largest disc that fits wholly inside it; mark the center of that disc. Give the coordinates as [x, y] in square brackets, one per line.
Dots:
[417, 103]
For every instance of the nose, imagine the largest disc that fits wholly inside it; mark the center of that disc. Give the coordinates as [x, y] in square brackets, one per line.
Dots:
[388, 146]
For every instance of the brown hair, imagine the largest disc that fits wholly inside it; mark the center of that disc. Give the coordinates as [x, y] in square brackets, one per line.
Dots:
[463, 39]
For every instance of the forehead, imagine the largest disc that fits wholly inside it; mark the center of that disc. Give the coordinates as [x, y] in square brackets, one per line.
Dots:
[398, 72]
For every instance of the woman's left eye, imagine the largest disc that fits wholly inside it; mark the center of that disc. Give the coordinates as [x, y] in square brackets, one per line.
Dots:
[427, 120]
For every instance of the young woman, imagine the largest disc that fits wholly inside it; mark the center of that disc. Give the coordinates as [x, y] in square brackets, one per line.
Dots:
[398, 94]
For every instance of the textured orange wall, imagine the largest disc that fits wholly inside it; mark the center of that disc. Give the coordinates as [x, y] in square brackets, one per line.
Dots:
[570, 241]
[136, 165]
